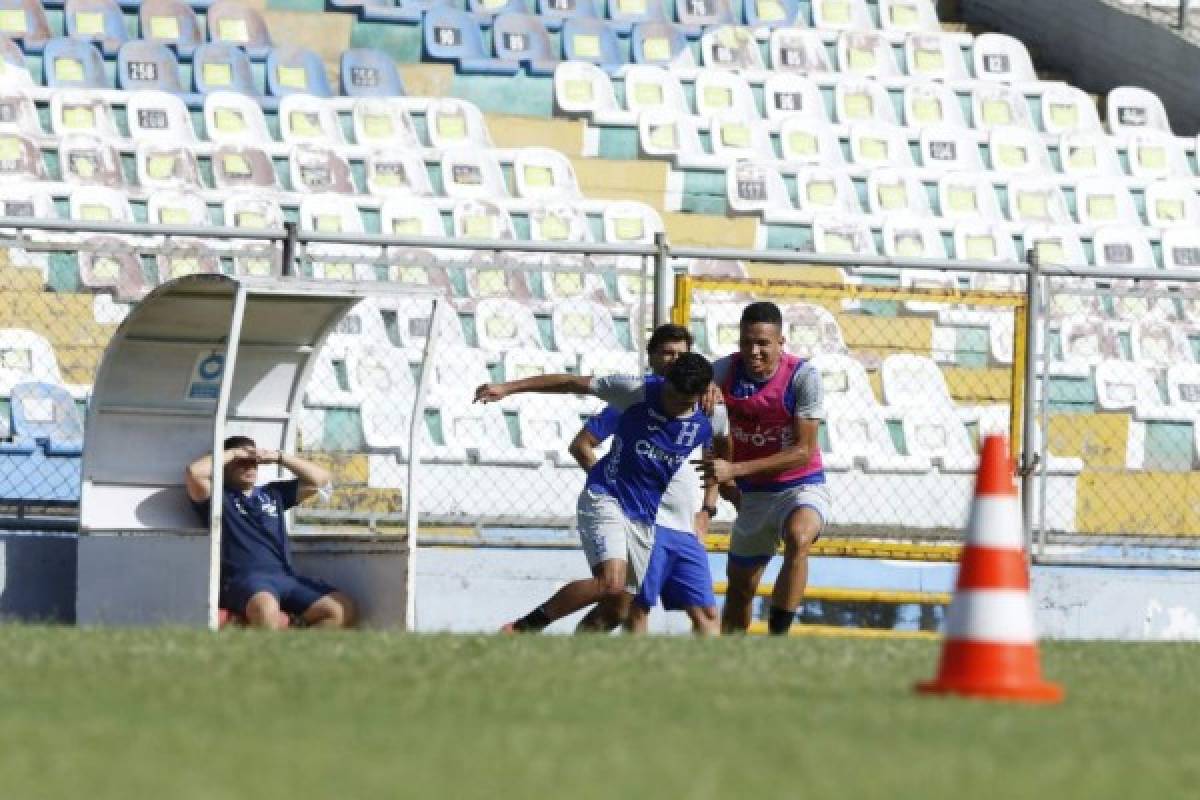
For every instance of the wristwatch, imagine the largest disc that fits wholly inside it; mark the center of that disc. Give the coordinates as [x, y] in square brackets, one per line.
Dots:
[710, 510]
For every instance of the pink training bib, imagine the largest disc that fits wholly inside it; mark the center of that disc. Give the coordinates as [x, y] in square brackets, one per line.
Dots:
[761, 424]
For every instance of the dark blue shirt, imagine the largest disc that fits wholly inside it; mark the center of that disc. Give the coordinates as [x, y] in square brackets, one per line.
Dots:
[604, 424]
[253, 530]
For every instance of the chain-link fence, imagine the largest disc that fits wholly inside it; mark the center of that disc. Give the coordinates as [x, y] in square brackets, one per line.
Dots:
[506, 315]
[915, 367]
[1118, 395]
[916, 364]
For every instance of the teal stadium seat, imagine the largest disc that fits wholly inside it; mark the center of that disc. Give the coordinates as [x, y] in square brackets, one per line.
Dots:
[218, 67]
[590, 39]
[453, 35]
[295, 70]
[369, 73]
[170, 22]
[523, 38]
[232, 23]
[24, 21]
[71, 64]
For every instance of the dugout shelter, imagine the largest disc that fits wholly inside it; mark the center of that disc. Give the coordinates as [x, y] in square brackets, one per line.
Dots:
[201, 358]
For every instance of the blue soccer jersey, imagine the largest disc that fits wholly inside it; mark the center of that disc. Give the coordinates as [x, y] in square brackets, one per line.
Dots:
[648, 447]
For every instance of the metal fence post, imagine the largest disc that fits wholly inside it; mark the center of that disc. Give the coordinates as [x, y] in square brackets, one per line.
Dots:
[289, 249]
[1029, 456]
[1184, 8]
[663, 280]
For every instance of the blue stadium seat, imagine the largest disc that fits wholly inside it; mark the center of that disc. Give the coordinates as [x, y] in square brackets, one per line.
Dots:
[72, 64]
[585, 39]
[230, 22]
[171, 22]
[294, 70]
[46, 414]
[624, 14]
[402, 10]
[370, 73]
[97, 21]
[695, 15]
[218, 67]
[484, 10]
[770, 13]
[148, 65]
[25, 21]
[659, 43]
[555, 12]
[454, 35]
[523, 38]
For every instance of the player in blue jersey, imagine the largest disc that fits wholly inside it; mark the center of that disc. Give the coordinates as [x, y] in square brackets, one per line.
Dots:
[661, 426]
[678, 571]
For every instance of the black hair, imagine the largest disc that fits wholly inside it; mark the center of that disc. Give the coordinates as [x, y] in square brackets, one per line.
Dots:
[690, 374]
[238, 441]
[762, 311]
[668, 332]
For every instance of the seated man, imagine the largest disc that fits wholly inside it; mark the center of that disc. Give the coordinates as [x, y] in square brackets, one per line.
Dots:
[257, 578]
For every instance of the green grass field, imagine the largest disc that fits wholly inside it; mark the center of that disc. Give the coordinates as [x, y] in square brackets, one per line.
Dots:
[179, 714]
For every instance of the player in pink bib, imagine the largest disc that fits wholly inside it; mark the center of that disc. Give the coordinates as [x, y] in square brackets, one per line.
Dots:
[775, 406]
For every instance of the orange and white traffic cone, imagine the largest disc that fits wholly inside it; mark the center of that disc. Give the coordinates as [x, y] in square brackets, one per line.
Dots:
[991, 647]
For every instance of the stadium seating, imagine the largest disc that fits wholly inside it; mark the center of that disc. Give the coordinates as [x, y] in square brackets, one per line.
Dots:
[842, 126]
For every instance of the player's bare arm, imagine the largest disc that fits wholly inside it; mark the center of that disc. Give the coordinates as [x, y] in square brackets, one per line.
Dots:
[804, 437]
[537, 384]
[583, 449]
[728, 490]
[197, 476]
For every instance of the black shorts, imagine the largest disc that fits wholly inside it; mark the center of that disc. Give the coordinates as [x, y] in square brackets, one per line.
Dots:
[295, 593]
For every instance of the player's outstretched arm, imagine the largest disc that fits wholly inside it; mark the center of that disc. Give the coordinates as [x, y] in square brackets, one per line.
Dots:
[538, 384]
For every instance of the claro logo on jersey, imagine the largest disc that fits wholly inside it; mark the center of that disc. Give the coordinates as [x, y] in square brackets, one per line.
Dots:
[653, 452]
[761, 437]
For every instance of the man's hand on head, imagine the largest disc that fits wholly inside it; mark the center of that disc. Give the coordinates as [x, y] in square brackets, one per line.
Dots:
[244, 454]
[268, 456]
